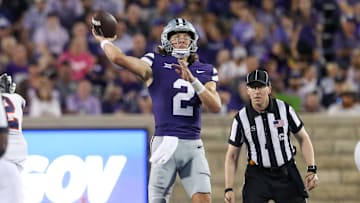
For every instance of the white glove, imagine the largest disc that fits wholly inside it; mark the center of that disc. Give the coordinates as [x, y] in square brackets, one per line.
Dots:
[165, 150]
[357, 155]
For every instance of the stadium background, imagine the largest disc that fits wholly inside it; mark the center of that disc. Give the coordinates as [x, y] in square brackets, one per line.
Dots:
[310, 49]
[334, 139]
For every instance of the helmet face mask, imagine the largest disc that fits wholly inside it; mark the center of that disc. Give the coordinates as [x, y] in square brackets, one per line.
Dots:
[6, 84]
[175, 26]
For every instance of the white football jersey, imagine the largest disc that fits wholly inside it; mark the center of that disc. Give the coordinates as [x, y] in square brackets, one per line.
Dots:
[3, 117]
[17, 146]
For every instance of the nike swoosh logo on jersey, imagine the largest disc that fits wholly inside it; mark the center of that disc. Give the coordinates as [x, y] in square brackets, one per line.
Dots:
[200, 71]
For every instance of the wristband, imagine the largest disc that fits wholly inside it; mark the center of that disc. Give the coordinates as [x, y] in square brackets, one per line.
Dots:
[104, 42]
[227, 190]
[312, 168]
[198, 86]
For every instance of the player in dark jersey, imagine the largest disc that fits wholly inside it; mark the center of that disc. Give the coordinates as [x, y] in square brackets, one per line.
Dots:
[178, 84]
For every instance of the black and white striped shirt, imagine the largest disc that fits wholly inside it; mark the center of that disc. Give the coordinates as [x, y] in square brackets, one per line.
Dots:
[267, 134]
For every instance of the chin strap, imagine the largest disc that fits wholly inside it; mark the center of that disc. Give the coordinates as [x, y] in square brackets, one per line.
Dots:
[180, 53]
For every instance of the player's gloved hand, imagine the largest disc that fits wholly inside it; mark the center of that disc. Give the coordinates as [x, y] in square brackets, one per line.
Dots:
[165, 150]
[311, 180]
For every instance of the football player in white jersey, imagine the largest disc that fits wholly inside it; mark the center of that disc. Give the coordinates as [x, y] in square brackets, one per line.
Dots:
[11, 164]
[3, 129]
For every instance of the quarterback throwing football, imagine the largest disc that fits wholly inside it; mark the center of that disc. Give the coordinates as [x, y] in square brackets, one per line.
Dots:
[178, 84]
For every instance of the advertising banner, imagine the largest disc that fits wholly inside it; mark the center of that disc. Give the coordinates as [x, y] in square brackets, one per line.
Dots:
[86, 166]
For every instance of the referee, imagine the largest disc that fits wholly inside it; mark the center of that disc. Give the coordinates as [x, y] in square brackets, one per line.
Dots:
[264, 125]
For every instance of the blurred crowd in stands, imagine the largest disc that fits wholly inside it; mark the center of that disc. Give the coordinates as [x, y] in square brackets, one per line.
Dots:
[310, 48]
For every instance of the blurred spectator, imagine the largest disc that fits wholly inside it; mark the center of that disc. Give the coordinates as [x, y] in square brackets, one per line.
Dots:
[154, 40]
[356, 8]
[5, 27]
[35, 17]
[83, 102]
[348, 104]
[113, 99]
[281, 53]
[236, 8]
[271, 67]
[353, 73]
[312, 103]
[97, 78]
[239, 98]
[13, 9]
[259, 46]
[310, 82]
[219, 8]
[64, 83]
[115, 7]
[225, 99]
[161, 11]
[266, 15]
[36, 73]
[80, 30]
[44, 100]
[31, 82]
[222, 57]
[123, 40]
[327, 84]
[51, 37]
[68, 11]
[346, 6]
[132, 87]
[134, 22]
[87, 8]
[81, 60]
[129, 81]
[291, 93]
[18, 64]
[284, 30]
[139, 49]
[306, 20]
[234, 68]
[252, 63]
[346, 39]
[194, 10]
[145, 102]
[216, 40]
[7, 45]
[243, 29]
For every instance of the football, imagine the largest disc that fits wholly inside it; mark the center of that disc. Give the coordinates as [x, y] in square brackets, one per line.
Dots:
[104, 24]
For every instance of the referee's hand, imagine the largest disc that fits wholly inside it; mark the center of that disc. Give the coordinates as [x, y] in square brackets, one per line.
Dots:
[229, 197]
[311, 181]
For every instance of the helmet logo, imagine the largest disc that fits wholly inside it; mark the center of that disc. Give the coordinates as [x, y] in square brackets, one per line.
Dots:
[180, 22]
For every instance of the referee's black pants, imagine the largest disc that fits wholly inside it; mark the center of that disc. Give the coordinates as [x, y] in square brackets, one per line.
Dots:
[280, 184]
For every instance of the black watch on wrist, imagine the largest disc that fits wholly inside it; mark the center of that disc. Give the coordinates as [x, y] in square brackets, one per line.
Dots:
[312, 168]
[227, 190]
